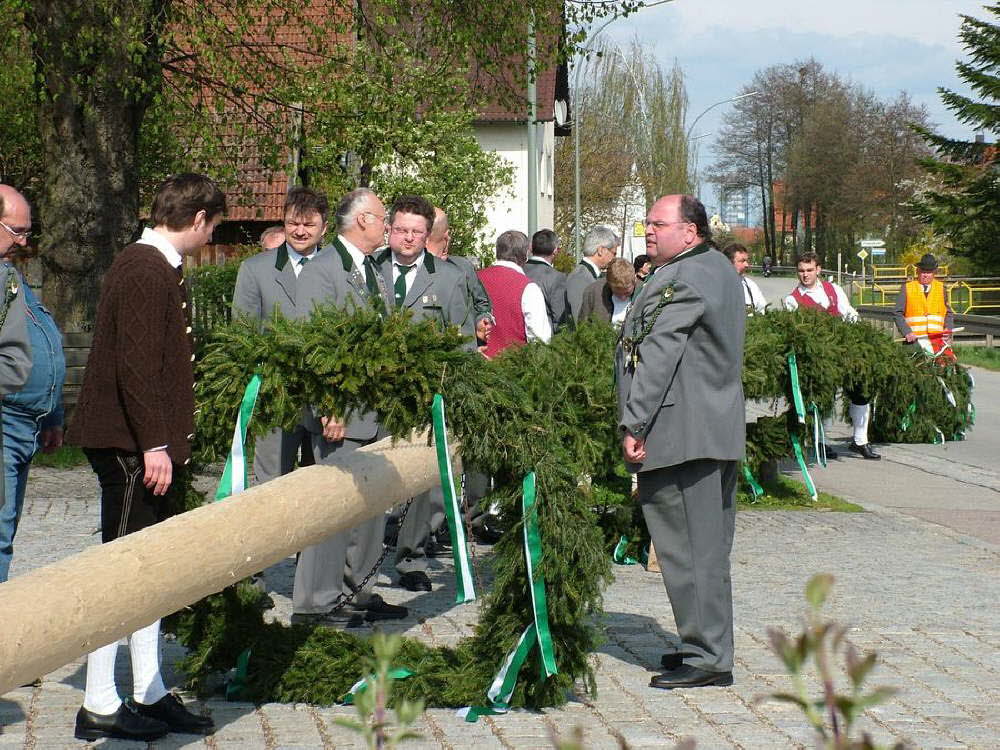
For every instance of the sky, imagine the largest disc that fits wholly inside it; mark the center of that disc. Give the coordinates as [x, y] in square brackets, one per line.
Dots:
[887, 46]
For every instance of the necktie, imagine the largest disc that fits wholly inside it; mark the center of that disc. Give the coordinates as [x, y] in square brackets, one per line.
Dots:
[370, 281]
[400, 285]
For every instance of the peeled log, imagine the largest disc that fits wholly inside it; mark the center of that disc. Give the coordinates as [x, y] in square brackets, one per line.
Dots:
[54, 614]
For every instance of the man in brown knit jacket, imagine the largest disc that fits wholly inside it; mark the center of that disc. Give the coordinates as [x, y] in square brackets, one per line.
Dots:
[135, 422]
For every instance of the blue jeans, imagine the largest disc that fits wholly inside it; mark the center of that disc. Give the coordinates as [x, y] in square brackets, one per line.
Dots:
[20, 442]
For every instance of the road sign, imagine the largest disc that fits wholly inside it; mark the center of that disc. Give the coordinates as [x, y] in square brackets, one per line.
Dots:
[878, 251]
[862, 254]
[872, 243]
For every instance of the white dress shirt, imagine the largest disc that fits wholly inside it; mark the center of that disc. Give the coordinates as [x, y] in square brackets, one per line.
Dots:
[161, 243]
[847, 312]
[356, 255]
[597, 271]
[536, 316]
[752, 296]
[298, 260]
[410, 275]
[619, 308]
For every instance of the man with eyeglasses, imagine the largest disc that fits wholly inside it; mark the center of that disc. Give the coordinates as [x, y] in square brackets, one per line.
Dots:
[21, 430]
[600, 247]
[678, 368]
[429, 288]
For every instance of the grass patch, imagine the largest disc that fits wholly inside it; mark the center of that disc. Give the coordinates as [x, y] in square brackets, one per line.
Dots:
[789, 494]
[66, 457]
[979, 356]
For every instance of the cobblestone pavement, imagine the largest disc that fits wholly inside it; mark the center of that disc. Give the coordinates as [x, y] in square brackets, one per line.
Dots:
[922, 595]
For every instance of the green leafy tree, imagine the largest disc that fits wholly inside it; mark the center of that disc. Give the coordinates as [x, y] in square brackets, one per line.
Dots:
[964, 204]
[126, 90]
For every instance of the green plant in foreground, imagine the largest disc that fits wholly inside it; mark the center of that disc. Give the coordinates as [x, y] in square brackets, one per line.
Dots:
[832, 715]
[372, 701]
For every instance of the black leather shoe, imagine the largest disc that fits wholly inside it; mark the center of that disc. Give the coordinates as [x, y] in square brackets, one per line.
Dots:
[123, 724]
[377, 608]
[486, 534]
[687, 676]
[436, 548]
[671, 661]
[171, 711]
[416, 580]
[831, 452]
[865, 451]
[341, 618]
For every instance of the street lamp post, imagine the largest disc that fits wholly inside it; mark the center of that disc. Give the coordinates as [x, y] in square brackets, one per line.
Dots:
[687, 135]
[576, 134]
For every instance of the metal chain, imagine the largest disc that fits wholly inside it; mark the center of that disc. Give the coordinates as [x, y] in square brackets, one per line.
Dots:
[342, 599]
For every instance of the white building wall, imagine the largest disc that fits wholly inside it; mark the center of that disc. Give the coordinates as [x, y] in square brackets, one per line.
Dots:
[510, 140]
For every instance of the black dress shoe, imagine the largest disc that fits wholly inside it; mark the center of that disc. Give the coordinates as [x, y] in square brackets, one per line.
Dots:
[671, 661]
[171, 711]
[341, 618]
[865, 450]
[831, 452]
[377, 608]
[123, 724]
[436, 548]
[416, 580]
[687, 676]
[486, 534]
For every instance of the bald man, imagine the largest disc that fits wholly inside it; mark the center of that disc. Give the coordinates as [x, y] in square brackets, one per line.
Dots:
[438, 244]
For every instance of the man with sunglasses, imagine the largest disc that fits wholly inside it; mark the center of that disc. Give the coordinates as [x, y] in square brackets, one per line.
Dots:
[15, 357]
[600, 247]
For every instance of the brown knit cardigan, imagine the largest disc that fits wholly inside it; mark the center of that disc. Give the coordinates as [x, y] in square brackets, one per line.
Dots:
[138, 389]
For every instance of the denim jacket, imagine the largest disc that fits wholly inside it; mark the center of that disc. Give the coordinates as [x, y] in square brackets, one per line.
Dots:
[41, 395]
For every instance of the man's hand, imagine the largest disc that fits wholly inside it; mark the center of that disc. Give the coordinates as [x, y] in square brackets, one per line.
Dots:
[333, 431]
[910, 338]
[159, 471]
[51, 439]
[634, 449]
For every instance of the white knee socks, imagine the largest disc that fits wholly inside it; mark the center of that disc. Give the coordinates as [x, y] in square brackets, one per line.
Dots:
[859, 418]
[101, 695]
[144, 646]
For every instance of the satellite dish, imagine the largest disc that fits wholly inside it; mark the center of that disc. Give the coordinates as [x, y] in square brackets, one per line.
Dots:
[559, 112]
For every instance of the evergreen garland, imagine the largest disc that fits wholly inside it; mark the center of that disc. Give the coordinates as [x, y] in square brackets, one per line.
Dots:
[548, 408]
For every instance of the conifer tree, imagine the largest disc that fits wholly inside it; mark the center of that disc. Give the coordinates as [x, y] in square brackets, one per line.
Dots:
[965, 204]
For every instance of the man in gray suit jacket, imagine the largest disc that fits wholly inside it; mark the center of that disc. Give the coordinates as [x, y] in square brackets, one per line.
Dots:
[539, 268]
[335, 569]
[678, 367]
[600, 246]
[438, 244]
[429, 288]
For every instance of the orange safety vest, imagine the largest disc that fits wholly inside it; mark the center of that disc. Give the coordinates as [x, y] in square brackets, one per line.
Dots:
[925, 314]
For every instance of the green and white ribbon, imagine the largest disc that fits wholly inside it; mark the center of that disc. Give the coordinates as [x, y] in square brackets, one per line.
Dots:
[938, 436]
[533, 557]
[234, 476]
[755, 487]
[503, 685]
[399, 673]
[819, 436]
[907, 420]
[237, 685]
[800, 412]
[619, 555]
[465, 590]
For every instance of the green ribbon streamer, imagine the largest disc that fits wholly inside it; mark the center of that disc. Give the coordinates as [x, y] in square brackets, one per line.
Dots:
[907, 421]
[793, 372]
[237, 686]
[947, 392]
[399, 673]
[503, 685]
[533, 557]
[619, 555]
[819, 436]
[755, 488]
[465, 590]
[234, 475]
[797, 448]
[938, 436]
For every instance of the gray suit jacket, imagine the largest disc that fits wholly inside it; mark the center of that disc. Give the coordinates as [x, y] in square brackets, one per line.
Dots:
[576, 284]
[685, 395]
[479, 301]
[553, 285]
[438, 292]
[15, 345]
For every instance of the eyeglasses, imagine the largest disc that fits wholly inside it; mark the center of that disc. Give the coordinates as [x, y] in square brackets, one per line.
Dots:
[380, 217]
[17, 234]
[658, 225]
[414, 233]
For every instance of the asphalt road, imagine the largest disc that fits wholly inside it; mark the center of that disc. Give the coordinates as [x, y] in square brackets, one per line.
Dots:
[956, 485]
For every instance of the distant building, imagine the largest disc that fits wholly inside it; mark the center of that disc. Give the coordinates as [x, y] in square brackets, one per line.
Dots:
[736, 206]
